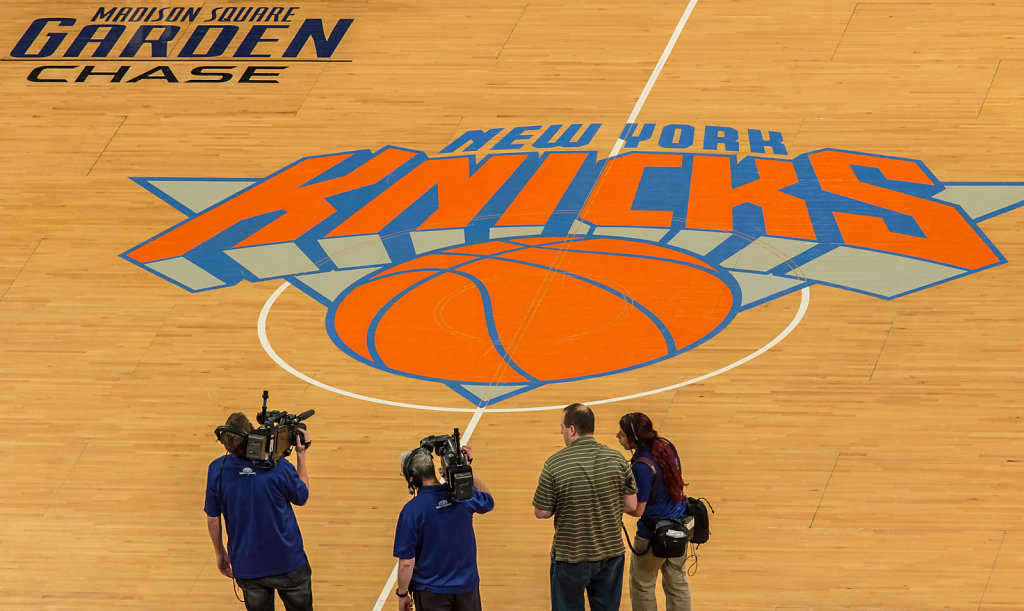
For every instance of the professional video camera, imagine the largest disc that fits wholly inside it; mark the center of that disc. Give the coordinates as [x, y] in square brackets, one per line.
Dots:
[273, 440]
[455, 468]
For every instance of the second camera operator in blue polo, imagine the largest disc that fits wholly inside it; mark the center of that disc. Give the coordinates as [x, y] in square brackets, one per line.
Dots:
[434, 539]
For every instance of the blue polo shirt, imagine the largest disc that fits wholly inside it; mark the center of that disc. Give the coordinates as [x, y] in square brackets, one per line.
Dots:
[263, 536]
[438, 533]
[659, 503]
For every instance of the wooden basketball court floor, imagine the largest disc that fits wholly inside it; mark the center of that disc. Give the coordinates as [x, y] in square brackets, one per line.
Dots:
[870, 459]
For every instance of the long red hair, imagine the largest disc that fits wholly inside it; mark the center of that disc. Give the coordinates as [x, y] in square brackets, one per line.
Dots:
[639, 429]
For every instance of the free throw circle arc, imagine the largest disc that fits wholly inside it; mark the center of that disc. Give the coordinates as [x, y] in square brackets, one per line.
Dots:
[805, 299]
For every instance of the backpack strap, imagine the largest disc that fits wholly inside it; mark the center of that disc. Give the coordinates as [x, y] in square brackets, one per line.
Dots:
[654, 483]
[654, 472]
[649, 463]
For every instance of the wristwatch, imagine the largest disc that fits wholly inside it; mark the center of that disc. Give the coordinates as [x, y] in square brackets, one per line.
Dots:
[401, 594]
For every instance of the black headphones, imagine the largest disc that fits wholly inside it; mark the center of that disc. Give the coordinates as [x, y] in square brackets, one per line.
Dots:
[632, 427]
[414, 480]
[224, 428]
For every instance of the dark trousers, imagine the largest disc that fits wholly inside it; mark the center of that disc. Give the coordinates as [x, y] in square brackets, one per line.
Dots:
[430, 601]
[295, 588]
[601, 580]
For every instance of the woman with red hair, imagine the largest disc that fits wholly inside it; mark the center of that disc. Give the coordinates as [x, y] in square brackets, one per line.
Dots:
[659, 482]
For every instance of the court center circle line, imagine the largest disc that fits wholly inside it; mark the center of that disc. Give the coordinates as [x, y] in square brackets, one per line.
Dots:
[805, 300]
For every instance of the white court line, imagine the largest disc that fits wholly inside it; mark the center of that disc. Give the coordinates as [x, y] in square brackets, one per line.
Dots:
[657, 72]
[386, 592]
[805, 299]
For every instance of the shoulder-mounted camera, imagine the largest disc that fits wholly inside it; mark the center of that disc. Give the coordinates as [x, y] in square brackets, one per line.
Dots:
[455, 468]
[273, 439]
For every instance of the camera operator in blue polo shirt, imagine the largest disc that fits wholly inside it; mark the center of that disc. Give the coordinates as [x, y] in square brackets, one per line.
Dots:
[434, 540]
[265, 552]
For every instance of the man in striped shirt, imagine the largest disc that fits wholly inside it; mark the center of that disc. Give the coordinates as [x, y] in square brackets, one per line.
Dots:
[585, 486]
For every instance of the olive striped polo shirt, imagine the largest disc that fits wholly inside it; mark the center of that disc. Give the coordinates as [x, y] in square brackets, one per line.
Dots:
[583, 485]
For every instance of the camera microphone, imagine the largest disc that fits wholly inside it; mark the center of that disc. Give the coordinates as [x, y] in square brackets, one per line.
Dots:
[277, 433]
[262, 416]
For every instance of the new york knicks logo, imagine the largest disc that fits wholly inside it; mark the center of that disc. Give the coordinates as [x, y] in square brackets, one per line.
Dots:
[500, 274]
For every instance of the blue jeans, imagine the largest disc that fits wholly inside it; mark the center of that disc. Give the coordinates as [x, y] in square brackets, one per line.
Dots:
[295, 588]
[601, 580]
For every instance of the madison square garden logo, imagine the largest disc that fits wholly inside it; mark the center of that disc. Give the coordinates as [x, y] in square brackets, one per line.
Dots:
[494, 273]
[176, 44]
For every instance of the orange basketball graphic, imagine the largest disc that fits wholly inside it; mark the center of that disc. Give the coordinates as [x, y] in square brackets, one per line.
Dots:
[533, 310]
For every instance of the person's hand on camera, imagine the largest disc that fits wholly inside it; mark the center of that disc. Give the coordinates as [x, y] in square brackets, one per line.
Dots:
[303, 441]
[468, 451]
